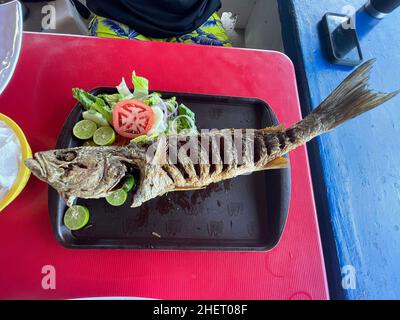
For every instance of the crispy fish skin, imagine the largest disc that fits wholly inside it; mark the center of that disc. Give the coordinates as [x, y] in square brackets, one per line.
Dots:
[92, 172]
[89, 172]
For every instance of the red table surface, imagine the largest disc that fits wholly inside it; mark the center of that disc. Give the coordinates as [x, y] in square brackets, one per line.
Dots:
[39, 99]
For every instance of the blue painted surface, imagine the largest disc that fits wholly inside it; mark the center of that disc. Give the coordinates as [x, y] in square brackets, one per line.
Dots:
[356, 169]
[365, 23]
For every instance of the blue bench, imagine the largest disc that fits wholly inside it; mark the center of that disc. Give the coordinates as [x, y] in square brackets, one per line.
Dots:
[356, 169]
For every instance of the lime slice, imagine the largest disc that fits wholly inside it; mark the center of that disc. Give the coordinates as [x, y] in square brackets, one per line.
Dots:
[104, 136]
[96, 117]
[76, 217]
[129, 183]
[89, 143]
[117, 198]
[84, 129]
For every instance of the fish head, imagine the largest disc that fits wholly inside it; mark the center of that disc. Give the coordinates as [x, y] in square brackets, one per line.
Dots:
[87, 172]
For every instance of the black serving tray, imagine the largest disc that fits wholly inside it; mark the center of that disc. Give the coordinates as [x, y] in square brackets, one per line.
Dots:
[245, 213]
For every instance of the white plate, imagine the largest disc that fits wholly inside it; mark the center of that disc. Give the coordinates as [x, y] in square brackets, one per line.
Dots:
[10, 40]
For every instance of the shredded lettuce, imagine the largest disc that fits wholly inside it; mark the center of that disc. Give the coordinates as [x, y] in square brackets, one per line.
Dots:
[172, 105]
[84, 98]
[111, 99]
[144, 139]
[124, 90]
[186, 119]
[141, 87]
[183, 110]
[103, 108]
[91, 102]
[152, 99]
[170, 117]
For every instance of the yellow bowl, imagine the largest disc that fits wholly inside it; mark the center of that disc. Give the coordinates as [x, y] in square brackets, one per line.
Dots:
[24, 172]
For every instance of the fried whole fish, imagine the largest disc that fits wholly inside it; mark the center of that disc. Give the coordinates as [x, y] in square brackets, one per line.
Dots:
[168, 164]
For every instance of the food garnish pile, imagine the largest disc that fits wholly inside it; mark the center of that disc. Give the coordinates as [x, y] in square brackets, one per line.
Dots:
[117, 119]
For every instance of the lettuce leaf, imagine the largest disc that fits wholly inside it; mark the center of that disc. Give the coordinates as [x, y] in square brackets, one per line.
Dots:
[183, 123]
[124, 90]
[183, 110]
[152, 99]
[84, 98]
[111, 99]
[91, 102]
[170, 103]
[145, 139]
[141, 87]
[102, 107]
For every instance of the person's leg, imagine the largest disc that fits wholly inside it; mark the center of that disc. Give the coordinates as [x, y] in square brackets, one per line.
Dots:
[108, 28]
[210, 32]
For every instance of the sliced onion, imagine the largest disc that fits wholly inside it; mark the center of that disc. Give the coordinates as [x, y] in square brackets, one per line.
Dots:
[174, 107]
[159, 124]
[164, 109]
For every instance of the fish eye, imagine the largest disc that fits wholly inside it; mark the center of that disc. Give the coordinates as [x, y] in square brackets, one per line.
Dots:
[65, 156]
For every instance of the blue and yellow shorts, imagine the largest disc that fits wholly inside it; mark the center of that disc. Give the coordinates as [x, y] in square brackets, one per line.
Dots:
[210, 32]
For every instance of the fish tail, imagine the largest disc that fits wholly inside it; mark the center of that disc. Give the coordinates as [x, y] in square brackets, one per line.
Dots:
[350, 99]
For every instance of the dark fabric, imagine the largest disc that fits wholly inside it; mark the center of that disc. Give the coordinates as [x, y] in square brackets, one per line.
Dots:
[83, 11]
[157, 18]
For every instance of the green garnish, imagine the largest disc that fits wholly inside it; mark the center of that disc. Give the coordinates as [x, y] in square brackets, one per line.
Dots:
[84, 129]
[129, 183]
[76, 217]
[86, 99]
[111, 99]
[143, 139]
[104, 136]
[117, 198]
[96, 117]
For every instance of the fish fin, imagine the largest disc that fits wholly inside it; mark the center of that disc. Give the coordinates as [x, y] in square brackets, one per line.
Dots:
[188, 188]
[350, 99]
[273, 129]
[278, 163]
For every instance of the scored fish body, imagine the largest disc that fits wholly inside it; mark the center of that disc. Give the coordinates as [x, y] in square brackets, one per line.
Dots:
[190, 162]
[193, 161]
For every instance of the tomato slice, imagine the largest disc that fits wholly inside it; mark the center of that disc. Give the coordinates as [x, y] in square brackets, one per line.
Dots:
[132, 118]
